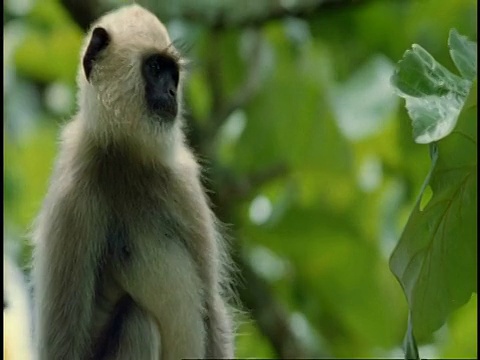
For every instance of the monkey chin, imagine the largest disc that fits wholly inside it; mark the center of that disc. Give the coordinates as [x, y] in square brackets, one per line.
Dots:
[165, 115]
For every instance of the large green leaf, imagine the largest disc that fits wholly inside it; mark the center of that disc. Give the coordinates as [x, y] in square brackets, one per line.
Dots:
[434, 96]
[435, 259]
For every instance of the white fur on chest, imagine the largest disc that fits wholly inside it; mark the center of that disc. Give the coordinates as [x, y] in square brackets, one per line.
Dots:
[164, 280]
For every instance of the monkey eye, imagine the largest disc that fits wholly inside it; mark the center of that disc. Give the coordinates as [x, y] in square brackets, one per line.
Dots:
[155, 70]
[159, 65]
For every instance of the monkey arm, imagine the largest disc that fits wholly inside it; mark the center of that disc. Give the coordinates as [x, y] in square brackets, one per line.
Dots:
[220, 331]
[208, 248]
[69, 247]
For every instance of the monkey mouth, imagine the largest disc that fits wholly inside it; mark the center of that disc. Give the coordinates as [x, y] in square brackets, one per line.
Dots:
[163, 109]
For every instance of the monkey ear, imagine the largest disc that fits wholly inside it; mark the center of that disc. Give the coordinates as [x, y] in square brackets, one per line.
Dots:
[99, 41]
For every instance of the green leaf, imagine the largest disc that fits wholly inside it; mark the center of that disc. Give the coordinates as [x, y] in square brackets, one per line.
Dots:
[464, 54]
[434, 96]
[435, 259]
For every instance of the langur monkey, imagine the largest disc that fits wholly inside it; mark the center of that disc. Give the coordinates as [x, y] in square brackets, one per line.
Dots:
[128, 260]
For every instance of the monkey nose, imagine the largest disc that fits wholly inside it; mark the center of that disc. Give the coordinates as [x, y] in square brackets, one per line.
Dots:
[172, 91]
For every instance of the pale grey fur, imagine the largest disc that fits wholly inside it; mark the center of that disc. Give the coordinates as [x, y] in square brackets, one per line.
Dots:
[126, 214]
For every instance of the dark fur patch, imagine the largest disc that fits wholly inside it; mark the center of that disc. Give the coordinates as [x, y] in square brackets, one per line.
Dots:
[117, 240]
[109, 340]
[161, 75]
[99, 41]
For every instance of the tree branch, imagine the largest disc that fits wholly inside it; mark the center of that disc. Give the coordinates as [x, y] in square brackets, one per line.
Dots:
[238, 189]
[245, 91]
[272, 11]
[84, 12]
[271, 316]
[214, 70]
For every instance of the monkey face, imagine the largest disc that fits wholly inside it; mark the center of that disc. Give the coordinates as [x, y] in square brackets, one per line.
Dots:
[161, 75]
[131, 68]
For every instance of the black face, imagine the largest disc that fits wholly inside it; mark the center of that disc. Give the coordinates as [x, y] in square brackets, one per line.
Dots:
[161, 76]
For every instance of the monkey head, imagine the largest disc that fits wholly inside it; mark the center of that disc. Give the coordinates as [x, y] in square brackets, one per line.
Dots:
[130, 74]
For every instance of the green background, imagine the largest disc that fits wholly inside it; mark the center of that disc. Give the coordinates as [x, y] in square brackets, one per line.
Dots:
[315, 168]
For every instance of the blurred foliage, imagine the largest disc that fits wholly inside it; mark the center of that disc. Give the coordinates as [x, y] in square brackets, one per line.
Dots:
[320, 234]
